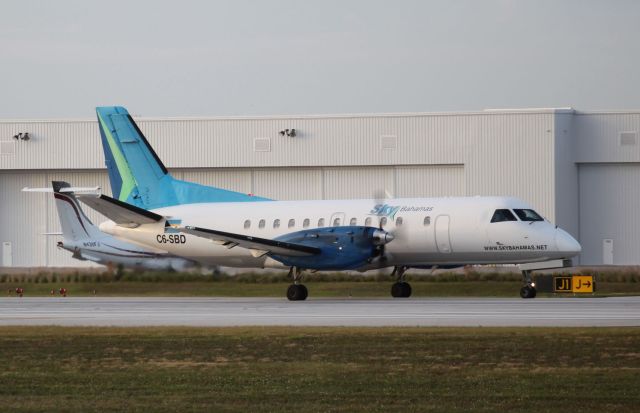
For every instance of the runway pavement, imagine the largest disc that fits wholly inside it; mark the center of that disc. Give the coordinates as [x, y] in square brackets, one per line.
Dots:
[97, 311]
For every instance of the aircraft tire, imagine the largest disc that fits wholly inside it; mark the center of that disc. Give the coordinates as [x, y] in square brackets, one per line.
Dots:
[528, 292]
[297, 292]
[400, 290]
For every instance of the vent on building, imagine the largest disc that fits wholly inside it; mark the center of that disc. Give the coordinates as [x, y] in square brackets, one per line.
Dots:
[7, 147]
[627, 138]
[262, 145]
[388, 142]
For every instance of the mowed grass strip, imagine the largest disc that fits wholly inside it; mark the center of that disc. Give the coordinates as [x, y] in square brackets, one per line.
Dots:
[320, 369]
[235, 289]
[359, 289]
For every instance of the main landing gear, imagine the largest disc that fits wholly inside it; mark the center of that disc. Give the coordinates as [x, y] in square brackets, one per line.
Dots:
[296, 291]
[401, 288]
[528, 289]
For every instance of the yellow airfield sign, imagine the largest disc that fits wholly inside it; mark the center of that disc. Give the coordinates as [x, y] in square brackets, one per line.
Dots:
[573, 284]
[583, 283]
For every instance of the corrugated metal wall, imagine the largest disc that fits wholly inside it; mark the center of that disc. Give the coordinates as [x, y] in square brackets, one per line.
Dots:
[53, 145]
[24, 217]
[598, 137]
[609, 201]
[229, 143]
[609, 189]
[566, 176]
[512, 154]
[319, 141]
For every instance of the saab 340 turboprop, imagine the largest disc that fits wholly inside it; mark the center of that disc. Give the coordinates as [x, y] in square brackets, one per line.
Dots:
[220, 227]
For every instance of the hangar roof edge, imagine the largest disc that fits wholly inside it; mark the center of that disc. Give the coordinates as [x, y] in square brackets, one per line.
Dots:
[496, 111]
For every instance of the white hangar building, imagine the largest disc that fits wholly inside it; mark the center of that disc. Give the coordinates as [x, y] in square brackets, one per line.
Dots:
[581, 170]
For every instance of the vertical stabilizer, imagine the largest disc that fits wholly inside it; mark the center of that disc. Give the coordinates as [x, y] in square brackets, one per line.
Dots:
[75, 224]
[137, 174]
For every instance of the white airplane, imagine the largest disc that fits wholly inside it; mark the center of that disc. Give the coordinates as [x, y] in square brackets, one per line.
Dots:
[215, 226]
[86, 242]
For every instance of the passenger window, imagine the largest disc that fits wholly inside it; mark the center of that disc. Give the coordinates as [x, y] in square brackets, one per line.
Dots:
[321, 222]
[427, 221]
[398, 221]
[383, 221]
[247, 224]
[367, 222]
[305, 223]
[276, 223]
[502, 215]
[353, 222]
[292, 223]
[528, 215]
[261, 223]
[336, 222]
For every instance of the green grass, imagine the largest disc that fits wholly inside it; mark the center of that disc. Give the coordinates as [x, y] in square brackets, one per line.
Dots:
[359, 289]
[319, 369]
[625, 281]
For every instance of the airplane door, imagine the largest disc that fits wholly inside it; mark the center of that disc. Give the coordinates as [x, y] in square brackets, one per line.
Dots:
[443, 242]
[337, 219]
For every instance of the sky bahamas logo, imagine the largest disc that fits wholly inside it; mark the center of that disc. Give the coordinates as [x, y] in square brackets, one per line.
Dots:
[386, 210]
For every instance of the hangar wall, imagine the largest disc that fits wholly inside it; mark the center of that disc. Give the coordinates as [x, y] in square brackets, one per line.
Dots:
[559, 160]
[607, 154]
[609, 213]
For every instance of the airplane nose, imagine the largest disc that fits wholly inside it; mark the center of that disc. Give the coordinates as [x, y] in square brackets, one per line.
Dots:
[566, 243]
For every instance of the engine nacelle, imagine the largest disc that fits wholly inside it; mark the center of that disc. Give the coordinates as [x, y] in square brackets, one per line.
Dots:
[348, 247]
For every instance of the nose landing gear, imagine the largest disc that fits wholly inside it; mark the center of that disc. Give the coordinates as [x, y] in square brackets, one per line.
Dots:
[401, 288]
[528, 290]
[296, 291]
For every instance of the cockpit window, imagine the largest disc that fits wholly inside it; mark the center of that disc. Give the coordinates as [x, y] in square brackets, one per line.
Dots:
[528, 215]
[502, 215]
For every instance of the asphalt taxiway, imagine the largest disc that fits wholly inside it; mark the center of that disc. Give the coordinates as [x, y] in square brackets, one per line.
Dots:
[159, 311]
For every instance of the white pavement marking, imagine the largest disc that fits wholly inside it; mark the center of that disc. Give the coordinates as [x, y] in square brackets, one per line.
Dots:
[116, 311]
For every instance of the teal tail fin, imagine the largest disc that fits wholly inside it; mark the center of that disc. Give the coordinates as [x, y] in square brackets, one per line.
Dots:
[137, 174]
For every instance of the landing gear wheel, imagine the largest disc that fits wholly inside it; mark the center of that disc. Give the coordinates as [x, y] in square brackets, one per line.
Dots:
[528, 292]
[297, 292]
[401, 290]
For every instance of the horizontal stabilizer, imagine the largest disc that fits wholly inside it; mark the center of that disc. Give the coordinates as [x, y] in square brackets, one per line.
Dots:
[120, 212]
[52, 233]
[261, 246]
[76, 190]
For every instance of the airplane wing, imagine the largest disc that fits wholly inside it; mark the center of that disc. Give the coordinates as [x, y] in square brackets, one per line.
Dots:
[257, 246]
[120, 212]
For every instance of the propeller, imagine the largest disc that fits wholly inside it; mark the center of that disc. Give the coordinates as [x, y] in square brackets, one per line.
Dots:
[380, 236]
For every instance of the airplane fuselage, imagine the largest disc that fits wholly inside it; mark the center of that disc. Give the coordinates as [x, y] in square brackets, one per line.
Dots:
[426, 231]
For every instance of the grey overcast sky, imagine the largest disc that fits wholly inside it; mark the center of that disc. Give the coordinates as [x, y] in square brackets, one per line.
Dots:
[60, 59]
